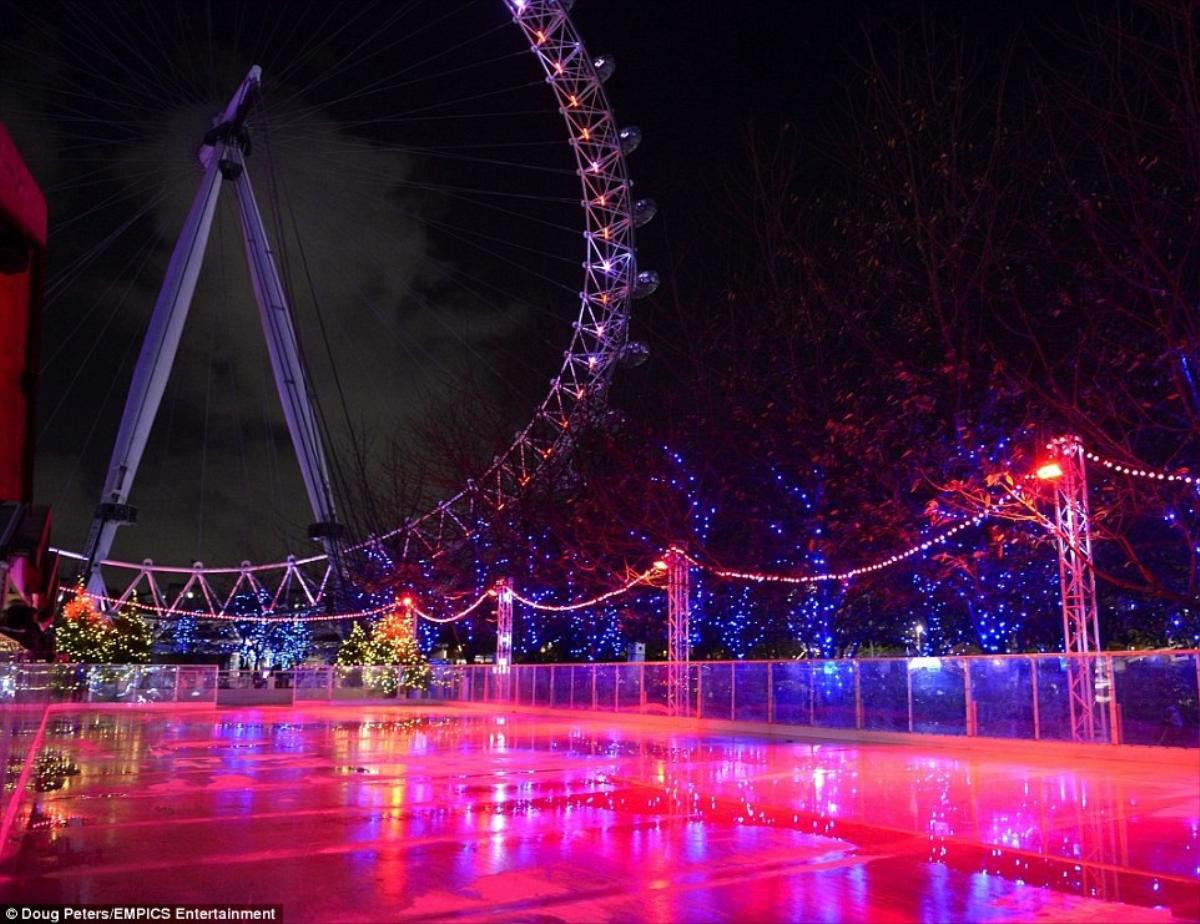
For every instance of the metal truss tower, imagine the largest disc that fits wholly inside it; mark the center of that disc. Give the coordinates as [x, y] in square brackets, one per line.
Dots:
[504, 637]
[1089, 679]
[678, 630]
[222, 157]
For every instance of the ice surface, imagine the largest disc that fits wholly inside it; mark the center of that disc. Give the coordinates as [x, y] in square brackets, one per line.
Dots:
[395, 813]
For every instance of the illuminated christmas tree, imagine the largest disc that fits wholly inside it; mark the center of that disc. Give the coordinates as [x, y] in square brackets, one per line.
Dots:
[390, 653]
[354, 651]
[82, 633]
[85, 635]
[131, 638]
[394, 642]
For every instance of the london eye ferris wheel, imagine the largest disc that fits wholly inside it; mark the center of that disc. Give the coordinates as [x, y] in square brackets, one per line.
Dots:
[444, 205]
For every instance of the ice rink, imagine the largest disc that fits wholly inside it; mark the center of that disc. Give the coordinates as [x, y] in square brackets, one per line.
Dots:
[442, 813]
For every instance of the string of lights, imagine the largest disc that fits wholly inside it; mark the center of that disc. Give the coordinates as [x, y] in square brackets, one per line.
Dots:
[159, 612]
[246, 568]
[461, 614]
[644, 577]
[764, 578]
[1140, 472]
[658, 568]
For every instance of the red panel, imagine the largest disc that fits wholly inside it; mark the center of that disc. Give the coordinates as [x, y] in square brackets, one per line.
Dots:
[23, 209]
[21, 201]
[14, 401]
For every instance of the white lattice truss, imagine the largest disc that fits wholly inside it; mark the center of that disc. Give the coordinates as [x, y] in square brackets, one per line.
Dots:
[504, 636]
[678, 630]
[1077, 577]
[599, 335]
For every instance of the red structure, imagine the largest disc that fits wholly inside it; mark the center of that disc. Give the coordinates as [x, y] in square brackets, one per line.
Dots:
[27, 569]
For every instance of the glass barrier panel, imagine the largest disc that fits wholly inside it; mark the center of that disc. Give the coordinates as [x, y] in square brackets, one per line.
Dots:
[348, 683]
[833, 694]
[629, 687]
[541, 683]
[112, 684]
[1002, 693]
[1053, 698]
[445, 682]
[1157, 699]
[562, 687]
[156, 683]
[883, 686]
[197, 684]
[606, 686]
[691, 702]
[313, 684]
[523, 681]
[654, 679]
[581, 686]
[716, 690]
[750, 693]
[791, 688]
[939, 695]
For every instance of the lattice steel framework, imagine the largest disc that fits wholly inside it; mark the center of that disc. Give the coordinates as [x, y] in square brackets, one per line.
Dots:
[504, 636]
[1089, 685]
[678, 630]
[599, 339]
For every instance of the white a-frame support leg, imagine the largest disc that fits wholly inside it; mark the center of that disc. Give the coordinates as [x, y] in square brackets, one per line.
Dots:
[284, 349]
[150, 376]
[221, 156]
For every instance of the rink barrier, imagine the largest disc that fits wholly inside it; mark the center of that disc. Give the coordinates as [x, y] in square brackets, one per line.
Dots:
[1140, 697]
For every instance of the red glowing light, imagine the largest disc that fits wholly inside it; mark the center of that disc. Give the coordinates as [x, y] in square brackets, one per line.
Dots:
[406, 601]
[1051, 471]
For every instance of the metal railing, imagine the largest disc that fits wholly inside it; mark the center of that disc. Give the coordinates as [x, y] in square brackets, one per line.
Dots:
[1147, 698]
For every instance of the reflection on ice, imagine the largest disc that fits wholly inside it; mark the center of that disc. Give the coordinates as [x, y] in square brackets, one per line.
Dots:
[408, 812]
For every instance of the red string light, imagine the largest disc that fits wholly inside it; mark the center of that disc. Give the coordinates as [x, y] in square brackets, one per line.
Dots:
[584, 604]
[170, 612]
[764, 578]
[461, 614]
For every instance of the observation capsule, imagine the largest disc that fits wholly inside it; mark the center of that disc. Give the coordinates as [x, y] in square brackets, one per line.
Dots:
[643, 211]
[634, 353]
[645, 283]
[604, 65]
[631, 137]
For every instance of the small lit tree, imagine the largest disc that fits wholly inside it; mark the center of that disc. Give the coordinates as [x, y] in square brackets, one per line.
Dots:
[131, 638]
[353, 652]
[395, 643]
[85, 635]
[390, 654]
[82, 633]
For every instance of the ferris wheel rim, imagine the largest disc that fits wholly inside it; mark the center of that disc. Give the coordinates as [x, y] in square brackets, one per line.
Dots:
[599, 331]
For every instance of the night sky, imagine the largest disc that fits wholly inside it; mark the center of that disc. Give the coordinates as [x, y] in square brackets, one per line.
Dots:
[436, 277]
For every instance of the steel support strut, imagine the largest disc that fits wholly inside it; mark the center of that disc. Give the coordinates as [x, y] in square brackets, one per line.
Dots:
[221, 156]
[1088, 681]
